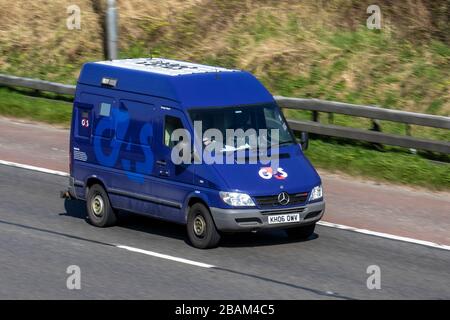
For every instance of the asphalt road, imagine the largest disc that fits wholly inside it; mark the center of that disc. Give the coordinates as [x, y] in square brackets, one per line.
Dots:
[41, 235]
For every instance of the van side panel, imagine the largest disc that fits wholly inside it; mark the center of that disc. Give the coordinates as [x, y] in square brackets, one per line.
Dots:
[115, 145]
[119, 144]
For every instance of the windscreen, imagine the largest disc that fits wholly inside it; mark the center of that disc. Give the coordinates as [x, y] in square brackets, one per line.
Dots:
[253, 118]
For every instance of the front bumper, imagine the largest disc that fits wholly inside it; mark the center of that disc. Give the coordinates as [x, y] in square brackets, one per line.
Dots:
[255, 219]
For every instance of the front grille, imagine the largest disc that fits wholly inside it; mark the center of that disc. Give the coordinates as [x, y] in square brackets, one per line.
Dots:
[272, 201]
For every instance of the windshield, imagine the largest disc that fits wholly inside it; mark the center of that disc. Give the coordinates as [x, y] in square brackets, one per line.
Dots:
[256, 120]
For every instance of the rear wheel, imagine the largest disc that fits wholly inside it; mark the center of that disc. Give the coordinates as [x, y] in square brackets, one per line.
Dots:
[100, 212]
[201, 229]
[303, 232]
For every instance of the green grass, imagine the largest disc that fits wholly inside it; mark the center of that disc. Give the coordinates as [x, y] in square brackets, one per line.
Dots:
[18, 105]
[395, 165]
[366, 67]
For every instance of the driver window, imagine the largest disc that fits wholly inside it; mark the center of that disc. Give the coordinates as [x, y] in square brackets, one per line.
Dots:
[271, 119]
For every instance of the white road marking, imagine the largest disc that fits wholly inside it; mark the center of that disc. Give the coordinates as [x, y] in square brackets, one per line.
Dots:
[384, 235]
[167, 257]
[322, 223]
[28, 167]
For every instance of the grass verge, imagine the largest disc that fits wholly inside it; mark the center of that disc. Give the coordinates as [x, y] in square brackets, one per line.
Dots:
[18, 105]
[395, 165]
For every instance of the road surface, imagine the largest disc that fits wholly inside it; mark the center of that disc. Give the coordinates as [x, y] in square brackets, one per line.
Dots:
[41, 235]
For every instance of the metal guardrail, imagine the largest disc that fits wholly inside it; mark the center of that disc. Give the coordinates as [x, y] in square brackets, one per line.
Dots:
[370, 112]
[314, 105]
[36, 84]
[421, 119]
[370, 136]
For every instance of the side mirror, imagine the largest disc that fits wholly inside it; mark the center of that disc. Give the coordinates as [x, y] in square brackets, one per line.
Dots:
[304, 140]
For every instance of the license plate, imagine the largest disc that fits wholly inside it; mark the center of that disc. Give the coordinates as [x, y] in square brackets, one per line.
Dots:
[284, 218]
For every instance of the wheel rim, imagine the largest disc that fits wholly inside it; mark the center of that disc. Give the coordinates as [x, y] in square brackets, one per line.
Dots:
[97, 205]
[199, 226]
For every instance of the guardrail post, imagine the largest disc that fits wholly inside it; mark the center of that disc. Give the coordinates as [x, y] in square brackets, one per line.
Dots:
[408, 133]
[315, 116]
[407, 129]
[376, 126]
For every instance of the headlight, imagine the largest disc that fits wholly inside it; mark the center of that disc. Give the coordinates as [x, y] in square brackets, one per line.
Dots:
[316, 193]
[237, 199]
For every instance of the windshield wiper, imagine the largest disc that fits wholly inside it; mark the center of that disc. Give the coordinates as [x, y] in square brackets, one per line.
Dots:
[228, 148]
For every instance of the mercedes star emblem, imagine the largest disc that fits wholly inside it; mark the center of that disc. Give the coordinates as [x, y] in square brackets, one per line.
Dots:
[283, 198]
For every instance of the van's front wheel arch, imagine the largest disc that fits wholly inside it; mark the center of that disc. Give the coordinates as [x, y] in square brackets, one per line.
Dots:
[201, 230]
[99, 209]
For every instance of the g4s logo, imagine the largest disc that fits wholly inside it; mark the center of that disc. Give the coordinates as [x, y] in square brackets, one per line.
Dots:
[109, 160]
[267, 173]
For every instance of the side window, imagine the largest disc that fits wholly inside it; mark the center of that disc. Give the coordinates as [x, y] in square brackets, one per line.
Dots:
[171, 123]
[274, 120]
[101, 114]
[271, 120]
[139, 128]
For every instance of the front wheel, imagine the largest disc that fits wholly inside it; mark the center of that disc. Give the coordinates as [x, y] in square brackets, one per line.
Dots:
[201, 229]
[303, 232]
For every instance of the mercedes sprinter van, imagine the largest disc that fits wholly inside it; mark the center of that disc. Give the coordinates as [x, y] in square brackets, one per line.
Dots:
[144, 132]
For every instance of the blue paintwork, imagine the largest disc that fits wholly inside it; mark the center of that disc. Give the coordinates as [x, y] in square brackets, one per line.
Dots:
[122, 149]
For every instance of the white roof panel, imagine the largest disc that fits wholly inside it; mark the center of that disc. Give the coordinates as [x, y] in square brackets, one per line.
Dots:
[164, 66]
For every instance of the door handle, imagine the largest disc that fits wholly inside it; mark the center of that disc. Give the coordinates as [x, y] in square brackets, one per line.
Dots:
[161, 162]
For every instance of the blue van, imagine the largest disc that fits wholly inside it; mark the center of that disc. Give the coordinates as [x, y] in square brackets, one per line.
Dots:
[125, 114]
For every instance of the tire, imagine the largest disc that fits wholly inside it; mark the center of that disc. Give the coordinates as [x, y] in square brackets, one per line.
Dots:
[303, 232]
[201, 230]
[99, 209]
